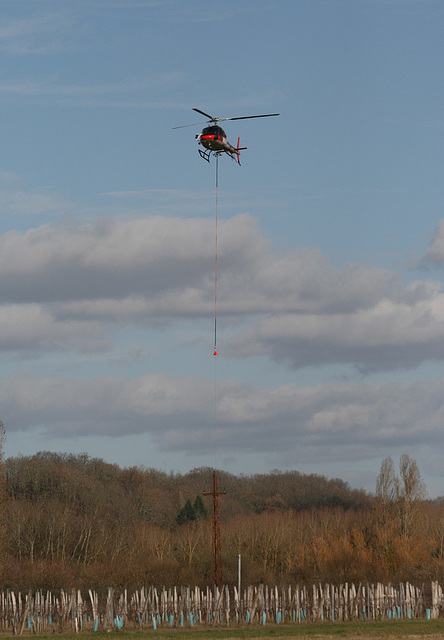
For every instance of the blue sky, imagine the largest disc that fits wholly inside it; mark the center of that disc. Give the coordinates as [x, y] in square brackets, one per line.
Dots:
[330, 234]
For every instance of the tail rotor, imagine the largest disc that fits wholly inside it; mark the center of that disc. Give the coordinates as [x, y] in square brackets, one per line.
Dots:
[238, 148]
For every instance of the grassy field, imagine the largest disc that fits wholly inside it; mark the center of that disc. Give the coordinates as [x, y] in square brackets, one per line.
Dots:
[411, 629]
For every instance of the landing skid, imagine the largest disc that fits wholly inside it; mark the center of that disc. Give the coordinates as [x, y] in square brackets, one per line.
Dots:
[205, 154]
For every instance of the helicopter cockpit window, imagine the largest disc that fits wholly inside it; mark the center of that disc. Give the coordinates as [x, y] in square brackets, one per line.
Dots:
[213, 131]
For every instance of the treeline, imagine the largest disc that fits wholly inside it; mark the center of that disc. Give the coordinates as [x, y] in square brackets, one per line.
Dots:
[72, 520]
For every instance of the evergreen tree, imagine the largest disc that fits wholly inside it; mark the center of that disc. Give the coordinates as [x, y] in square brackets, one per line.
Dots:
[186, 514]
[191, 512]
[200, 511]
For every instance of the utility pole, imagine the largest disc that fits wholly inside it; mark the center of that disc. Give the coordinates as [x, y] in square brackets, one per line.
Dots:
[217, 566]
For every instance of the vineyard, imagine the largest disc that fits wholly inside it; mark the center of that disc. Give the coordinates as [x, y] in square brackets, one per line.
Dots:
[178, 607]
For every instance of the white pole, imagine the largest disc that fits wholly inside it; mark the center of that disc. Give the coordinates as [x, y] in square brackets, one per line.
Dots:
[239, 565]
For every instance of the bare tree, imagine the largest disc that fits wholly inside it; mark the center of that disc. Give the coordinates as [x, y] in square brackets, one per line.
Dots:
[403, 491]
[386, 491]
[386, 481]
[410, 490]
[3, 490]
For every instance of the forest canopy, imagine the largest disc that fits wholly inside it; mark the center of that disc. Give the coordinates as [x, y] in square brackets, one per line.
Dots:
[71, 520]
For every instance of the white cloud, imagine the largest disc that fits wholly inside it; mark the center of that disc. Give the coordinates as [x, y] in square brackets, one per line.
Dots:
[33, 328]
[35, 34]
[333, 421]
[435, 252]
[29, 202]
[388, 335]
[105, 259]
[294, 306]
[53, 87]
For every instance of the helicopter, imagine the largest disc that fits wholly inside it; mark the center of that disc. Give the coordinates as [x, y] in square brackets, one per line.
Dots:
[214, 139]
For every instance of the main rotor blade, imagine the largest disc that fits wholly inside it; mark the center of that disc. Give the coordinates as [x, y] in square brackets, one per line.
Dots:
[196, 124]
[205, 114]
[216, 120]
[265, 115]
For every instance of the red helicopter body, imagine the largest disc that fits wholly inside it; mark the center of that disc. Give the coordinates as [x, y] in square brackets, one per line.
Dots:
[214, 139]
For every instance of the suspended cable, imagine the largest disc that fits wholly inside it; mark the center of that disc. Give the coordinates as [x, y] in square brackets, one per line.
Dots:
[215, 262]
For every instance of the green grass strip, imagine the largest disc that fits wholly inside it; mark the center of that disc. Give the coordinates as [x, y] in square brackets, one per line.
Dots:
[326, 630]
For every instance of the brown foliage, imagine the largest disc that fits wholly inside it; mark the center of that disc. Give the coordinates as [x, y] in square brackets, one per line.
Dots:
[76, 521]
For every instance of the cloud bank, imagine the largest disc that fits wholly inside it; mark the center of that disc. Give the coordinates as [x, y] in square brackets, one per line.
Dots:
[75, 288]
[329, 421]
[74, 284]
